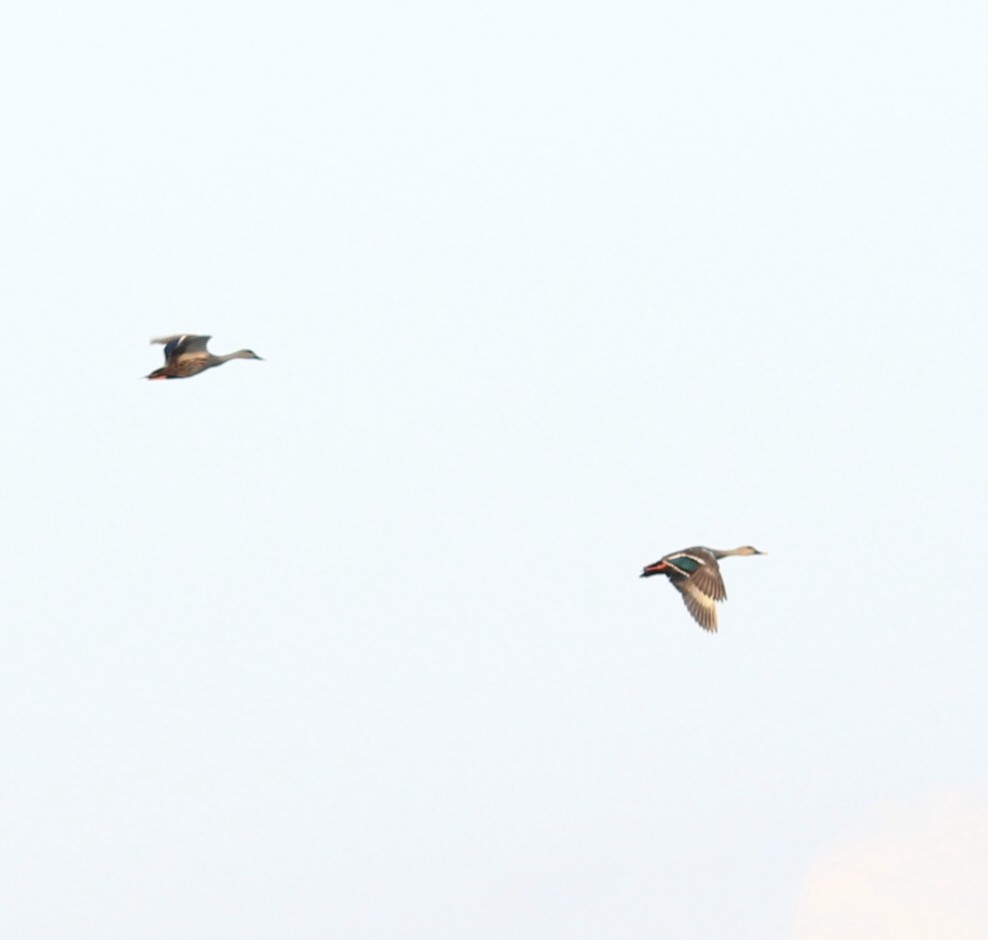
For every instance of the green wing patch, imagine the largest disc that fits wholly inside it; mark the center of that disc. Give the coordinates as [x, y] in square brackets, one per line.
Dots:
[685, 563]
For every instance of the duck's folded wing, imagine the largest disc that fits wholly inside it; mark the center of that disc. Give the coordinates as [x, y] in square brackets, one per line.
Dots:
[701, 606]
[183, 344]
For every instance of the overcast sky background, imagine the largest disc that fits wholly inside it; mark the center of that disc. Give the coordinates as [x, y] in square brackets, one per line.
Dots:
[351, 642]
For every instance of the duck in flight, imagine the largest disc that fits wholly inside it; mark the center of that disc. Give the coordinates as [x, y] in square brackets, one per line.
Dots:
[186, 355]
[694, 572]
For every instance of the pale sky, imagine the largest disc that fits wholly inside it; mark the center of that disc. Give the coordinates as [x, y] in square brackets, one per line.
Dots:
[351, 642]
[914, 870]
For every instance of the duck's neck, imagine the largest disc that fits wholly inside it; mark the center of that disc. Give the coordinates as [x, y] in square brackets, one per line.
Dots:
[726, 553]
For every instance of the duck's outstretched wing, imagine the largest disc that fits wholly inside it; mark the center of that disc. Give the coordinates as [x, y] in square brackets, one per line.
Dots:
[183, 344]
[707, 579]
[700, 566]
[700, 605]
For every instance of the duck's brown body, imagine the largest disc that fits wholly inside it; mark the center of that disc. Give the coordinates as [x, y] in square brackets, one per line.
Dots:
[694, 572]
[186, 355]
